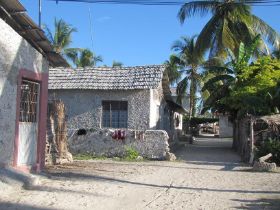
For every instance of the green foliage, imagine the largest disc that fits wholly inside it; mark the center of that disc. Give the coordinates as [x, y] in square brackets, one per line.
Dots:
[270, 146]
[117, 64]
[62, 36]
[61, 40]
[172, 66]
[130, 153]
[232, 22]
[254, 88]
[186, 64]
[82, 57]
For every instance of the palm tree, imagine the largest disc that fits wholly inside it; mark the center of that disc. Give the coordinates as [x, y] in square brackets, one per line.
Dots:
[276, 52]
[231, 23]
[83, 57]
[62, 36]
[172, 69]
[227, 77]
[190, 59]
[117, 64]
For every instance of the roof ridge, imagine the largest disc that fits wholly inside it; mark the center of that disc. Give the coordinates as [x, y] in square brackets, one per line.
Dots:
[111, 68]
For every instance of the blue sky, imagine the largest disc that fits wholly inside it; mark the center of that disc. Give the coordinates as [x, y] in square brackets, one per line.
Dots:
[134, 35]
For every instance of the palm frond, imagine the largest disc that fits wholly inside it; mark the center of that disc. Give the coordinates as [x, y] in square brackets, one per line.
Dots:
[205, 38]
[197, 7]
[265, 30]
[72, 54]
[211, 82]
[48, 33]
[181, 89]
[172, 67]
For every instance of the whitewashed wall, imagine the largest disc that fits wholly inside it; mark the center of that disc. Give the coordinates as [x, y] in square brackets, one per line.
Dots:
[15, 54]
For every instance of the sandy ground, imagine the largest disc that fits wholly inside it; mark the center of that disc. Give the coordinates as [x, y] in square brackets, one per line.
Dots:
[207, 176]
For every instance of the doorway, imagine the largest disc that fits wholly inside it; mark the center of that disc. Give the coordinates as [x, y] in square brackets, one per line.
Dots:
[28, 122]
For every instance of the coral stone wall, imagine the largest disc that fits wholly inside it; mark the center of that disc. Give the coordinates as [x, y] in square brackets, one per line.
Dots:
[84, 107]
[152, 144]
[15, 54]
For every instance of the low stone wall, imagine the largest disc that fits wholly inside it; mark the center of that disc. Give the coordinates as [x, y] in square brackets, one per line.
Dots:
[152, 144]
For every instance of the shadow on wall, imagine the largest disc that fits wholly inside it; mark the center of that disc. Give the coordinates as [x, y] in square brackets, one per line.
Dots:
[10, 64]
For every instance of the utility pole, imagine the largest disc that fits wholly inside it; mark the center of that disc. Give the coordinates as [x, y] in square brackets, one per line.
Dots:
[40, 13]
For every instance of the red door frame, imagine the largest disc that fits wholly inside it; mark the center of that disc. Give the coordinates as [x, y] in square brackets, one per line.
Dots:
[42, 79]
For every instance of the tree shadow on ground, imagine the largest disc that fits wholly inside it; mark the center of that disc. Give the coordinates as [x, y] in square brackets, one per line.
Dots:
[45, 188]
[12, 206]
[263, 203]
[178, 165]
[81, 176]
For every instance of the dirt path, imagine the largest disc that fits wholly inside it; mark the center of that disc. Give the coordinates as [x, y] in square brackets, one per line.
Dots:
[208, 176]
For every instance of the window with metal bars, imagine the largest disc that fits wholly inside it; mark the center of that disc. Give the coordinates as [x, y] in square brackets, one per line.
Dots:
[29, 101]
[114, 114]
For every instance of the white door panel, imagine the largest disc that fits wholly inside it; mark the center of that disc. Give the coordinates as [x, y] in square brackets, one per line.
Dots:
[28, 143]
[28, 125]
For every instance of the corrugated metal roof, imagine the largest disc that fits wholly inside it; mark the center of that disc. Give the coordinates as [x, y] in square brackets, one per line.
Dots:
[14, 14]
[107, 78]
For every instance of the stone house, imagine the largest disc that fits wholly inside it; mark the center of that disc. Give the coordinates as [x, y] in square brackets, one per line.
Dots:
[133, 98]
[25, 55]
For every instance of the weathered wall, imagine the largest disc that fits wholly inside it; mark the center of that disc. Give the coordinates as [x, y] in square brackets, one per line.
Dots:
[225, 126]
[15, 54]
[157, 105]
[161, 117]
[151, 144]
[84, 107]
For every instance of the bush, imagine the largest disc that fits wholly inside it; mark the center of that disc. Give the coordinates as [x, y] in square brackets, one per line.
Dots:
[131, 153]
[270, 146]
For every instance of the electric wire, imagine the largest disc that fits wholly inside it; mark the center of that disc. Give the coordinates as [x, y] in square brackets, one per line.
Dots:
[169, 2]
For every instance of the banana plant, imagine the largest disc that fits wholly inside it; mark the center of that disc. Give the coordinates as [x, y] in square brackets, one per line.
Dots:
[227, 75]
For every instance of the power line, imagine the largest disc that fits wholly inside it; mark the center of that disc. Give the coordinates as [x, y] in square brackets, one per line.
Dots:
[169, 2]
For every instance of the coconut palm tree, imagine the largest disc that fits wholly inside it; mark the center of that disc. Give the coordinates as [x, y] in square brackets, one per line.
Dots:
[172, 69]
[231, 23]
[276, 52]
[83, 57]
[62, 36]
[190, 61]
[117, 64]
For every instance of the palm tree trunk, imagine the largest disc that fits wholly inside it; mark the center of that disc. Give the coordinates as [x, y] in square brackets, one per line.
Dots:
[193, 88]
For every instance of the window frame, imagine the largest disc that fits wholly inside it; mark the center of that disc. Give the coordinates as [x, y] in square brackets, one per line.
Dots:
[119, 106]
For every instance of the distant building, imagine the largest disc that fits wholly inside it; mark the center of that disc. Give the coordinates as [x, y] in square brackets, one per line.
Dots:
[136, 98]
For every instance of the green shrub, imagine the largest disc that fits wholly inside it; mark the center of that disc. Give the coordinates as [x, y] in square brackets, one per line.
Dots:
[130, 153]
[270, 146]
